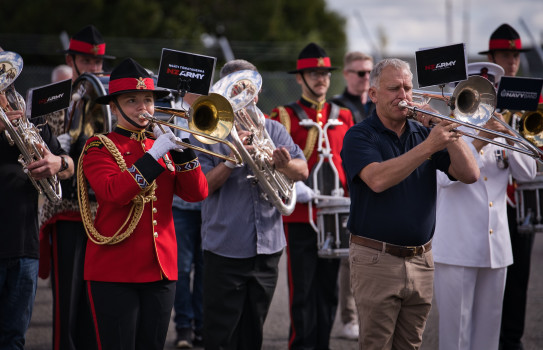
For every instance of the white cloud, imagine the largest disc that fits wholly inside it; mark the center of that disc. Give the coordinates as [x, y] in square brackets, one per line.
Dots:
[413, 24]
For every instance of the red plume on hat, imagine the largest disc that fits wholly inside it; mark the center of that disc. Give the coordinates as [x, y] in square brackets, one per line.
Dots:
[312, 57]
[130, 76]
[505, 38]
[88, 42]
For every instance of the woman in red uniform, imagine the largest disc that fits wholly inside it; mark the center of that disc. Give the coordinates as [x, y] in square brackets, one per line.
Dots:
[131, 257]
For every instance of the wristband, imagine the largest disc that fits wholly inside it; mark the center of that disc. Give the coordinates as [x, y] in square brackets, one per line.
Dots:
[229, 164]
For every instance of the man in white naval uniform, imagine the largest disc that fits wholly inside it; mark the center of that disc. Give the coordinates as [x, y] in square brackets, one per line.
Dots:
[471, 244]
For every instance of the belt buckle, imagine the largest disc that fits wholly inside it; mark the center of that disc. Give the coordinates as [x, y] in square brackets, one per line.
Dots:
[413, 250]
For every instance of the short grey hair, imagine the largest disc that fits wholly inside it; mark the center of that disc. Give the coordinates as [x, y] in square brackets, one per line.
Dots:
[236, 65]
[375, 75]
[60, 72]
[352, 56]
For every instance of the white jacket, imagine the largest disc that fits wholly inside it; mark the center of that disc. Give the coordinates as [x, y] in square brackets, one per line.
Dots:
[471, 224]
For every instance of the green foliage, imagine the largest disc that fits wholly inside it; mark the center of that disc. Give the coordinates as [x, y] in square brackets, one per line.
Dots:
[270, 33]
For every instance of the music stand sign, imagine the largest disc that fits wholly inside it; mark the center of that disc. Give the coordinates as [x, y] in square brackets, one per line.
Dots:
[441, 65]
[48, 98]
[186, 72]
[515, 93]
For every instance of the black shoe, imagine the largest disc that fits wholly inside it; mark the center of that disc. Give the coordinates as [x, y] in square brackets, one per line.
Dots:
[184, 338]
[198, 338]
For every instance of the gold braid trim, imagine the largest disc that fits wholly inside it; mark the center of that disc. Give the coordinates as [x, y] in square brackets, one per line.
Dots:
[284, 117]
[312, 133]
[310, 142]
[138, 203]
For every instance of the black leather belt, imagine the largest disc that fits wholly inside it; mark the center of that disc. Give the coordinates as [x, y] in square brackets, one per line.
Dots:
[392, 249]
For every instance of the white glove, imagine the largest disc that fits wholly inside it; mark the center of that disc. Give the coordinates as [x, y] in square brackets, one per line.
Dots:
[163, 144]
[304, 193]
[157, 131]
[65, 141]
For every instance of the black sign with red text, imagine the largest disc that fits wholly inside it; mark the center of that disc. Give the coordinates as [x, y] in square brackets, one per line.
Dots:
[519, 94]
[441, 65]
[184, 71]
[48, 98]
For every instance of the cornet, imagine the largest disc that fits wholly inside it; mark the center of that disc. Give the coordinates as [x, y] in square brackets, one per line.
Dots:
[472, 104]
[21, 132]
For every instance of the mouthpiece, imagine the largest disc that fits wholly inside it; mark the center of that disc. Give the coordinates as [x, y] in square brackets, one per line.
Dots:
[145, 116]
[403, 104]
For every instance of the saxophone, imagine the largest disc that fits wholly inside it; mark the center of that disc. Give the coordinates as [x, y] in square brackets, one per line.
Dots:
[20, 132]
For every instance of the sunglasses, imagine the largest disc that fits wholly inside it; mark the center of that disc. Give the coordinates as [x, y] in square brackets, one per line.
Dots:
[360, 73]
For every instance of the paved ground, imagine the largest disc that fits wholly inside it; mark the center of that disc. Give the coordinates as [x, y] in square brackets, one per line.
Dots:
[276, 327]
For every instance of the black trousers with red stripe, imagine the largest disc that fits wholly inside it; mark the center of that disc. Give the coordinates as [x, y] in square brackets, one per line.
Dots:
[313, 289]
[72, 322]
[131, 315]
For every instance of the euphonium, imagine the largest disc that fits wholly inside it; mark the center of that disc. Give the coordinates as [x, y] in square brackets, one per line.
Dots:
[20, 132]
[240, 89]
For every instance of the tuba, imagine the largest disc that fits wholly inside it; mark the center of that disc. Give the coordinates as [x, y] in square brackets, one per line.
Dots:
[84, 118]
[20, 132]
[240, 89]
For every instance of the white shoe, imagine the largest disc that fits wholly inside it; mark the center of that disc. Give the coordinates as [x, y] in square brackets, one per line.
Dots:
[349, 331]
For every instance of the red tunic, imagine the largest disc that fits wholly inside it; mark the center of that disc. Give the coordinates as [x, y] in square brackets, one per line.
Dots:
[307, 140]
[150, 252]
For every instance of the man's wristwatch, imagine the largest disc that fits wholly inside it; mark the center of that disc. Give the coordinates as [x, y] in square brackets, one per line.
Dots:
[64, 164]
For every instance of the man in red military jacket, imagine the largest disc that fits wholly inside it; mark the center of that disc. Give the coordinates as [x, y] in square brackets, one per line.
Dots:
[312, 280]
[131, 256]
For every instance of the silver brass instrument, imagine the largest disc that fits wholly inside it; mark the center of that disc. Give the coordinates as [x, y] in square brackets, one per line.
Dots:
[240, 89]
[210, 118]
[472, 104]
[20, 132]
[231, 105]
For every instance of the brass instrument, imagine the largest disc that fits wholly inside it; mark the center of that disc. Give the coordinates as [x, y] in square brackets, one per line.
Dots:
[472, 104]
[210, 118]
[528, 123]
[240, 89]
[20, 132]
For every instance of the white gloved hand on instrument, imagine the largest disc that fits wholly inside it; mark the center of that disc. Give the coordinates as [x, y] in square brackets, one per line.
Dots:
[165, 142]
[304, 193]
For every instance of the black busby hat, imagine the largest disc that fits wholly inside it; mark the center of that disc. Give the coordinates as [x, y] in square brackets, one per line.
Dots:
[312, 57]
[130, 76]
[88, 42]
[505, 38]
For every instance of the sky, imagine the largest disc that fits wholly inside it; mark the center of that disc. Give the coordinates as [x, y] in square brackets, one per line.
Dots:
[411, 25]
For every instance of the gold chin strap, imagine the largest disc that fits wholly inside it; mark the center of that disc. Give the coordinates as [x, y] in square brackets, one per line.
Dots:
[136, 211]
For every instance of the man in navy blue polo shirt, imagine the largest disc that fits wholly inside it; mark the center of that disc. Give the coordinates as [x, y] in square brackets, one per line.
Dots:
[391, 163]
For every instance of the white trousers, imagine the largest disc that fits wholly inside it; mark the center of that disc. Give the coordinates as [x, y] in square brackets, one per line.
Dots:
[469, 302]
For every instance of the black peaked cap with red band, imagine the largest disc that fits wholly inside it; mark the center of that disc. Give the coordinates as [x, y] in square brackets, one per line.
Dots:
[505, 38]
[312, 57]
[88, 42]
[130, 76]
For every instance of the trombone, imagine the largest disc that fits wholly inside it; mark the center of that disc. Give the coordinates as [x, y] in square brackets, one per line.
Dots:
[210, 118]
[472, 104]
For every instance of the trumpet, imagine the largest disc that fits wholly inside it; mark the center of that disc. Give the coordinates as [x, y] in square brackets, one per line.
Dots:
[472, 104]
[210, 119]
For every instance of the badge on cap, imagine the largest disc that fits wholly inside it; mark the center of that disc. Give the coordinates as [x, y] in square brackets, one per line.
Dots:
[141, 84]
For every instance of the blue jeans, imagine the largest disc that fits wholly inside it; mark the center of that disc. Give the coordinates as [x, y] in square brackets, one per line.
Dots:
[188, 304]
[18, 284]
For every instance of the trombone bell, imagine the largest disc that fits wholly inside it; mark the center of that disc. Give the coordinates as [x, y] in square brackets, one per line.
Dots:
[211, 115]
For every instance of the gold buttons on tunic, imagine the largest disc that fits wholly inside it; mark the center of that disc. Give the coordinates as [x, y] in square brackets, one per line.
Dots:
[155, 234]
[154, 210]
[154, 223]
[154, 198]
